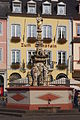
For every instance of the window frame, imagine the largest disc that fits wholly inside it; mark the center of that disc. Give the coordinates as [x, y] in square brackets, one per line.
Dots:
[61, 29]
[59, 5]
[47, 34]
[27, 59]
[1, 49]
[77, 29]
[15, 31]
[15, 50]
[43, 11]
[13, 8]
[32, 34]
[1, 28]
[61, 57]
[31, 3]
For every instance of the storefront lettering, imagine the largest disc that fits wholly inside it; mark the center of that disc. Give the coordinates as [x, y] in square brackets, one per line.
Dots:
[45, 45]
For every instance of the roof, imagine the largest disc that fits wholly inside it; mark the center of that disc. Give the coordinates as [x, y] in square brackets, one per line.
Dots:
[4, 8]
[72, 8]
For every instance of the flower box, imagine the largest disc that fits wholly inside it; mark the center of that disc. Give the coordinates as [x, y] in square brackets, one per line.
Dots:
[15, 39]
[61, 41]
[31, 39]
[47, 40]
[15, 65]
[61, 66]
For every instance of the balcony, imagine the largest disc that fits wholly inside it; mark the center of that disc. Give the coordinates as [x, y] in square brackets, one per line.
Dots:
[47, 40]
[62, 66]
[61, 40]
[31, 39]
[15, 39]
[15, 65]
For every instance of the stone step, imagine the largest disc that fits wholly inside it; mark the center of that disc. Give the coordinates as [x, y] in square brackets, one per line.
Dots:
[11, 114]
[69, 111]
[4, 109]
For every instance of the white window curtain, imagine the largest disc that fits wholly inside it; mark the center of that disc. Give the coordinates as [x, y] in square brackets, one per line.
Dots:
[61, 32]
[31, 31]
[47, 31]
[15, 30]
[15, 56]
[61, 57]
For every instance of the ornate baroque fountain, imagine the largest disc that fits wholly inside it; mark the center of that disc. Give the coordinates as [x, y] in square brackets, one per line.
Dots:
[39, 74]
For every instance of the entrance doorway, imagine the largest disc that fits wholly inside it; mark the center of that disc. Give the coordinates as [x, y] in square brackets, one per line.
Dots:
[1, 85]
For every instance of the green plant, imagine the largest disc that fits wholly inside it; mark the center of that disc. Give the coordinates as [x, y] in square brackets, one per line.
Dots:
[61, 66]
[15, 65]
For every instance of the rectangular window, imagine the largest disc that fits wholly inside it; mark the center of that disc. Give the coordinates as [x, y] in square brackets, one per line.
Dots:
[0, 28]
[15, 57]
[47, 9]
[61, 32]
[32, 8]
[17, 8]
[15, 30]
[31, 31]
[78, 29]
[47, 31]
[0, 54]
[61, 57]
[61, 10]
[29, 54]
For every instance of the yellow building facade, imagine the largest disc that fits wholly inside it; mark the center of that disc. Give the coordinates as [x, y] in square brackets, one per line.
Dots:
[19, 46]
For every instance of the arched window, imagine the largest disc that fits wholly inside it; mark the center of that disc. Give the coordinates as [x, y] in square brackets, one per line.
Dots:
[14, 76]
[61, 75]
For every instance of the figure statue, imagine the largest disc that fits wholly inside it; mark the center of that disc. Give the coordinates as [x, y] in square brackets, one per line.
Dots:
[29, 78]
[39, 22]
[35, 74]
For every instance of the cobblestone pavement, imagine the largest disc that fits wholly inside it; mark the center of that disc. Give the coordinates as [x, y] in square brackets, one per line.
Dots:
[53, 117]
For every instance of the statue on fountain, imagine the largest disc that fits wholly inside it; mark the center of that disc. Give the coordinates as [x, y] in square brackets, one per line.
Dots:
[39, 72]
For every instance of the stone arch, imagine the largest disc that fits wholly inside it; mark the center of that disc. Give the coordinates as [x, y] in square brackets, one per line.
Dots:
[61, 75]
[14, 76]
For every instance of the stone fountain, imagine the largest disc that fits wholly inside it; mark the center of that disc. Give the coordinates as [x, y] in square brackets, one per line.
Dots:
[39, 74]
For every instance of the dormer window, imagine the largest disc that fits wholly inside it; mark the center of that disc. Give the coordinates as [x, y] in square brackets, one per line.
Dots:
[61, 8]
[46, 7]
[16, 6]
[31, 7]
